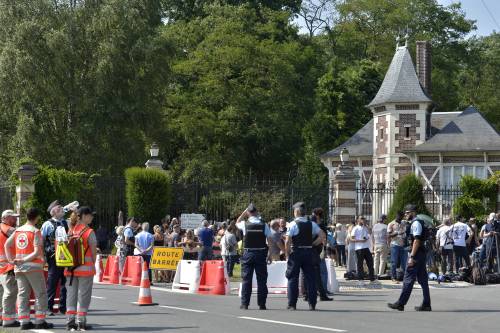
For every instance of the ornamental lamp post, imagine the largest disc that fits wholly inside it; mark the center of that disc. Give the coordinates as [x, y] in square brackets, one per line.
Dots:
[154, 162]
[344, 156]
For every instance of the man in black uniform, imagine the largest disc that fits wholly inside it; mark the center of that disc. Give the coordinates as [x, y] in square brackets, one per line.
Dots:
[255, 256]
[416, 267]
[55, 274]
[299, 251]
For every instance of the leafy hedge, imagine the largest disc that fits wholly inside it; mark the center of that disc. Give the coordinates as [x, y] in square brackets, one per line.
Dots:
[479, 196]
[58, 184]
[409, 191]
[148, 193]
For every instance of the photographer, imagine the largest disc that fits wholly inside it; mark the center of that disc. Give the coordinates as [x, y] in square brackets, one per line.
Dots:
[445, 245]
[488, 235]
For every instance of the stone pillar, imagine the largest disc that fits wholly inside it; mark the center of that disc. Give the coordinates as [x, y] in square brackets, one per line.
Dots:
[153, 163]
[25, 188]
[344, 194]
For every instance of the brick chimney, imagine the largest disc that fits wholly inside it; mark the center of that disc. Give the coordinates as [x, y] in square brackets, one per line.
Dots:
[424, 64]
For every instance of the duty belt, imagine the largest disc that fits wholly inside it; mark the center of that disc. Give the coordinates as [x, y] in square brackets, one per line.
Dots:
[253, 249]
[302, 247]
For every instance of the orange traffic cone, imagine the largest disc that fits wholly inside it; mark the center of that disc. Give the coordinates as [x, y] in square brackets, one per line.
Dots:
[145, 290]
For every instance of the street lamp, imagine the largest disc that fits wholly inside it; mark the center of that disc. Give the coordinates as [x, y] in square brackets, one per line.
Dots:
[154, 150]
[344, 156]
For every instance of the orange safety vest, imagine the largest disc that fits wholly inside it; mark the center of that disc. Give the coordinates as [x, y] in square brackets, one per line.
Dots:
[88, 268]
[4, 235]
[24, 241]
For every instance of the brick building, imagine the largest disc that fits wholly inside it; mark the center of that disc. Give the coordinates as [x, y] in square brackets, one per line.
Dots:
[405, 135]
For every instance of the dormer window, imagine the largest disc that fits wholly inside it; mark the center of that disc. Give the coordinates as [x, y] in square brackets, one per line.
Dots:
[407, 132]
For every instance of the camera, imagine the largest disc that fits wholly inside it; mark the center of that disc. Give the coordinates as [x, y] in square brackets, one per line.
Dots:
[496, 226]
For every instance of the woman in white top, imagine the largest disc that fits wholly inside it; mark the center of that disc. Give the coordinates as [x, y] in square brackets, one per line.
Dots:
[340, 236]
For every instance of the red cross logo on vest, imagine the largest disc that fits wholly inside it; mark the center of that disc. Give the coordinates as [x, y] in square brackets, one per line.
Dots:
[22, 241]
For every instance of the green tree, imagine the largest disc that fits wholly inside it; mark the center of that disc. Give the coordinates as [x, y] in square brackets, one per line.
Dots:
[409, 191]
[84, 81]
[244, 88]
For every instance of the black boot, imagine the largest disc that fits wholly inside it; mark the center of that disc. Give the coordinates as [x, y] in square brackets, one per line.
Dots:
[396, 306]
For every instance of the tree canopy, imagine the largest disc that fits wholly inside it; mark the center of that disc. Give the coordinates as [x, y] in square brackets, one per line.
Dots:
[226, 87]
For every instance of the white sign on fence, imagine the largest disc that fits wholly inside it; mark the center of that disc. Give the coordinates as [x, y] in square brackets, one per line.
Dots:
[191, 221]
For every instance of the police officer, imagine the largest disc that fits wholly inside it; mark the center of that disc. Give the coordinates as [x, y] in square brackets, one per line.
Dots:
[24, 249]
[8, 288]
[129, 233]
[255, 256]
[299, 251]
[55, 274]
[416, 267]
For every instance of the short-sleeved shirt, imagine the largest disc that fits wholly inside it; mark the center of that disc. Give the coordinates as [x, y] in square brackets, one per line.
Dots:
[360, 232]
[416, 228]
[275, 240]
[128, 232]
[444, 237]
[395, 227]
[293, 228]
[144, 240]
[380, 234]
[458, 232]
[488, 241]
[206, 236]
[253, 219]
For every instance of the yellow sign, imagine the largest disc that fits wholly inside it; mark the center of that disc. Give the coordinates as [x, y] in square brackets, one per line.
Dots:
[166, 258]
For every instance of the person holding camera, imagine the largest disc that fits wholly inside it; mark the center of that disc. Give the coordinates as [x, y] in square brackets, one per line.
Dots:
[460, 233]
[416, 268]
[360, 236]
[489, 236]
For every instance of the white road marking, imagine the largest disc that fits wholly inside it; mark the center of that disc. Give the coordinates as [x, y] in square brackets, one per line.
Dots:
[98, 297]
[182, 309]
[293, 324]
[41, 331]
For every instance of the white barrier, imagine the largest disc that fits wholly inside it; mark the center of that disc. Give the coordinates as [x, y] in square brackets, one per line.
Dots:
[187, 276]
[276, 279]
[99, 271]
[332, 283]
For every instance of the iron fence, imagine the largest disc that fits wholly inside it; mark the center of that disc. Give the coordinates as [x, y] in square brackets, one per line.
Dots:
[372, 202]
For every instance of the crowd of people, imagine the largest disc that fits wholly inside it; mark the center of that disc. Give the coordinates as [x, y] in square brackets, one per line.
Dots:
[26, 252]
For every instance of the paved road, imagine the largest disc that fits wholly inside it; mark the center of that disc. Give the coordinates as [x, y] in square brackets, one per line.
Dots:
[474, 309]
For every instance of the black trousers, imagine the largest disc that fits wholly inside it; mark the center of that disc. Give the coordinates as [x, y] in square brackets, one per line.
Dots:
[365, 255]
[56, 275]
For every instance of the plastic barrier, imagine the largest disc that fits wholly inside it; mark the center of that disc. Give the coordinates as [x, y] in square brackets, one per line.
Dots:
[276, 279]
[214, 279]
[132, 271]
[332, 284]
[187, 276]
[112, 271]
[99, 271]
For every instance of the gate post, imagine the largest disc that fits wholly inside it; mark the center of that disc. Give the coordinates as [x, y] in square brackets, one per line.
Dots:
[25, 188]
[344, 193]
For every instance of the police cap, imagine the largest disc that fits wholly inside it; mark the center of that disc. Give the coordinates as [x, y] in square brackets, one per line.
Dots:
[299, 205]
[251, 208]
[52, 205]
[410, 208]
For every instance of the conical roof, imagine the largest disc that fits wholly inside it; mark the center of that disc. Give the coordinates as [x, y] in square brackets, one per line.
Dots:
[401, 84]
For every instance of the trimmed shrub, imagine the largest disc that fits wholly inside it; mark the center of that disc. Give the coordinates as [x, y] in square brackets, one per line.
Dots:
[479, 196]
[58, 184]
[148, 193]
[409, 191]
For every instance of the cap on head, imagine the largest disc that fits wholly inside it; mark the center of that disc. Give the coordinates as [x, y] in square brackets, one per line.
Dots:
[8, 213]
[52, 205]
[85, 210]
[299, 205]
[410, 208]
[251, 208]
[382, 218]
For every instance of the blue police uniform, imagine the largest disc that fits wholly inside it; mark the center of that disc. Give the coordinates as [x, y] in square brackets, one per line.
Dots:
[418, 271]
[55, 274]
[302, 231]
[254, 258]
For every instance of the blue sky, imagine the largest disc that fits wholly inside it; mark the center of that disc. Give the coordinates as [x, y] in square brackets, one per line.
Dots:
[480, 10]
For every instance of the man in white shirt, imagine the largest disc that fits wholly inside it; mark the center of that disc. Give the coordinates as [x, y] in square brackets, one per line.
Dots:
[361, 239]
[445, 244]
[380, 245]
[460, 233]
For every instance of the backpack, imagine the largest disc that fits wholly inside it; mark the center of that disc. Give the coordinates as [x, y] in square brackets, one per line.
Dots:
[478, 272]
[72, 255]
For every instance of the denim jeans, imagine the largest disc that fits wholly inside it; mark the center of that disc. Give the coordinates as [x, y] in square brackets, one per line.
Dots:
[399, 256]
[206, 253]
[324, 273]
[446, 260]
[461, 253]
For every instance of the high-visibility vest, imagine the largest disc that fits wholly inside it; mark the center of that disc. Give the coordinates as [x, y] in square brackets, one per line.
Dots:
[24, 245]
[88, 268]
[4, 235]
